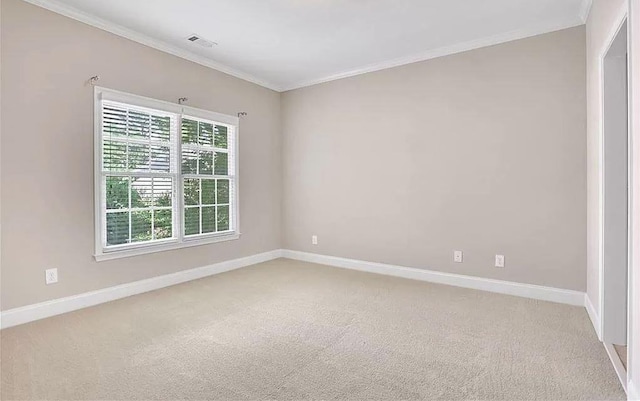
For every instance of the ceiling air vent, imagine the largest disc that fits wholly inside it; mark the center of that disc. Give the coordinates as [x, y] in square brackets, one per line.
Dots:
[197, 39]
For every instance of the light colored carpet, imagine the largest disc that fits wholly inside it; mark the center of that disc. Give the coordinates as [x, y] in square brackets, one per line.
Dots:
[293, 330]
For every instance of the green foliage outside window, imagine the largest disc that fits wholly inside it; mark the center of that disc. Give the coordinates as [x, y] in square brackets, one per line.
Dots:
[210, 211]
[118, 190]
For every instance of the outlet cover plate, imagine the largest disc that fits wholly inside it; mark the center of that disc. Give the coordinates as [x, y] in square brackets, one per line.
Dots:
[51, 276]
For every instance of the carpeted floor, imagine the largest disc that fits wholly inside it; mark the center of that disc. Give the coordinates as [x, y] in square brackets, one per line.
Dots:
[293, 330]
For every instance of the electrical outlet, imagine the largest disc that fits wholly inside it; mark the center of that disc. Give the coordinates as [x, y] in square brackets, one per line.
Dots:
[314, 240]
[51, 276]
[457, 256]
[499, 260]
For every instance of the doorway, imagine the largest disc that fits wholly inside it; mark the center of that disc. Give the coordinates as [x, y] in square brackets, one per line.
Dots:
[615, 200]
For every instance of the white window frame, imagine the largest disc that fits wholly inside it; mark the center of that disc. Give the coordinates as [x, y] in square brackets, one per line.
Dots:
[102, 252]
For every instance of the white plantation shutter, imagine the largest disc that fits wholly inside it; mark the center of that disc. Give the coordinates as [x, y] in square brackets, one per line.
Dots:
[165, 173]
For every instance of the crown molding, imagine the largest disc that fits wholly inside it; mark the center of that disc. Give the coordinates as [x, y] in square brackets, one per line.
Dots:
[447, 51]
[74, 13]
[585, 9]
[71, 12]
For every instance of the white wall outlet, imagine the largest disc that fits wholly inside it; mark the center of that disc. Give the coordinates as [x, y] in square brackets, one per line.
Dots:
[314, 240]
[499, 260]
[51, 276]
[457, 256]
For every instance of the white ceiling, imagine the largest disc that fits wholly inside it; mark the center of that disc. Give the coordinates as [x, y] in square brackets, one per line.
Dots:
[286, 44]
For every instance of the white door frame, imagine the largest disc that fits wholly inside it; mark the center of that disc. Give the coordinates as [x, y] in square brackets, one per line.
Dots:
[633, 337]
[621, 18]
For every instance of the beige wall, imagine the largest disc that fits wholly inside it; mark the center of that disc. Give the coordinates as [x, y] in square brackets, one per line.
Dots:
[601, 22]
[483, 151]
[47, 152]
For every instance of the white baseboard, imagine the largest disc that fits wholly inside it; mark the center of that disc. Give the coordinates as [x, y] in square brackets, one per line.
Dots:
[29, 313]
[569, 297]
[621, 372]
[593, 315]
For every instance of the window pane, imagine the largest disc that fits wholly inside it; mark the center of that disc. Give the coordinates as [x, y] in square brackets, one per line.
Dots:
[162, 192]
[208, 219]
[114, 155]
[141, 195]
[208, 192]
[162, 224]
[138, 157]
[221, 137]
[139, 124]
[192, 221]
[117, 228]
[191, 191]
[189, 131]
[136, 142]
[222, 167]
[160, 128]
[205, 134]
[114, 121]
[189, 161]
[223, 218]
[223, 191]
[117, 192]
[141, 226]
[160, 159]
[205, 163]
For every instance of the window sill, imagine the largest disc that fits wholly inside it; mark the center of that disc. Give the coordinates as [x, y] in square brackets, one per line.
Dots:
[168, 246]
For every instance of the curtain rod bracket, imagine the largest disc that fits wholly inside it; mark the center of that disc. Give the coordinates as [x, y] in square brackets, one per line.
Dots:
[242, 114]
[182, 100]
[94, 80]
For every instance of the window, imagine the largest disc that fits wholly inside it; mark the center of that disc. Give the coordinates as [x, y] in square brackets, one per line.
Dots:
[165, 175]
